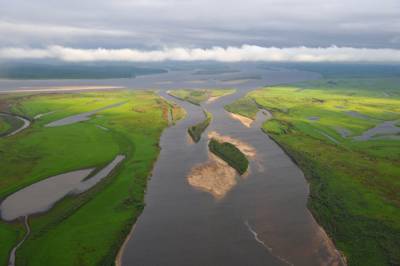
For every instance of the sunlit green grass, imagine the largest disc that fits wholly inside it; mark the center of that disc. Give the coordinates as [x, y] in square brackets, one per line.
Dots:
[197, 96]
[354, 185]
[87, 229]
[244, 106]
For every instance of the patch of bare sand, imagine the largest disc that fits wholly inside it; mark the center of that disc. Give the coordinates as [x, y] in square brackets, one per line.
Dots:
[324, 245]
[215, 176]
[244, 120]
[213, 98]
[247, 149]
[62, 88]
[189, 139]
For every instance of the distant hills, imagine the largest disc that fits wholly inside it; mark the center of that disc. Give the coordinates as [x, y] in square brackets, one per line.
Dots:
[72, 71]
[343, 70]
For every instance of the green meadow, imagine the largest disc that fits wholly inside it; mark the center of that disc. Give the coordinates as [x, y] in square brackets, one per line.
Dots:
[89, 228]
[354, 184]
[197, 96]
[4, 125]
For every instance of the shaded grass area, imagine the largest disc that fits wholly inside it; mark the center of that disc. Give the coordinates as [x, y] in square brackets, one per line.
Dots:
[197, 96]
[230, 154]
[86, 229]
[198, 129]
[354, 185]
[6, 125]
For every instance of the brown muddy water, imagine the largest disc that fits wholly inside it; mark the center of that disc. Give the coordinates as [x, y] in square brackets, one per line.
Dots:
[262, 220]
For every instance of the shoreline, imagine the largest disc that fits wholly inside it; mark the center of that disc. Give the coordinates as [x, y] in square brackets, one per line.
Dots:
[247, 122]
[328, 238]
[61, 89]
[118, 258]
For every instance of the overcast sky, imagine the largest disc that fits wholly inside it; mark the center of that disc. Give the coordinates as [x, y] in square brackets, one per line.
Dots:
[42, 26]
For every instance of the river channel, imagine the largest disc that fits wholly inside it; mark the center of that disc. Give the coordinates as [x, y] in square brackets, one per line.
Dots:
[262, 220]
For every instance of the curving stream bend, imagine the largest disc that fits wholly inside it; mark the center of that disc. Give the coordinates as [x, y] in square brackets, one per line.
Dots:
[26, 123]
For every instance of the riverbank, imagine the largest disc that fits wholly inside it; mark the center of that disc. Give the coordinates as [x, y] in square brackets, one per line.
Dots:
[98, 218]
[352, 182]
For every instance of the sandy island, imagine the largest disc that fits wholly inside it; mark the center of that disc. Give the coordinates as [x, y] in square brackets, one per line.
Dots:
[216, 176]
[247, 149]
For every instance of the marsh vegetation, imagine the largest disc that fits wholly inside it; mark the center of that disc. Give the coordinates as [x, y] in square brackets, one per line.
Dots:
[230, 154]
[198, 129]
[354, 181]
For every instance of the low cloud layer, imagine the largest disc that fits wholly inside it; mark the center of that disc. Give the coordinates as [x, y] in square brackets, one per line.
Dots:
[154, 24]
[250, 53]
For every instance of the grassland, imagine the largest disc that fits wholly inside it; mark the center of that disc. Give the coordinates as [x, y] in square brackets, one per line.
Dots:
[197, 96]
[230, 154]
[86, 229]
[244, 106]
[354, 185]
[198, 129]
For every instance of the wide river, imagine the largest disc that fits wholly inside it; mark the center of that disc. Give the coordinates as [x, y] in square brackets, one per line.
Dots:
[262, 220]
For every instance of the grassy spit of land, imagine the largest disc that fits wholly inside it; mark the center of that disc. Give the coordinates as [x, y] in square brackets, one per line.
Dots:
[244, 107]
[354, 185]
[230, 154]
[197, 96]
[86, 229]
[198, 129]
